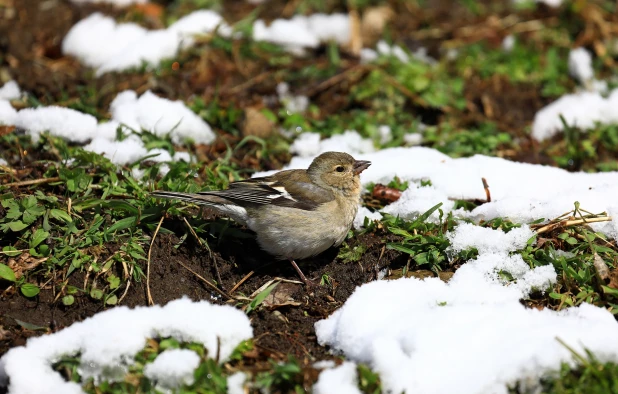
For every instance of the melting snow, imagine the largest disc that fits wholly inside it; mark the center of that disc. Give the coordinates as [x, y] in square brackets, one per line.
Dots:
[108, 341]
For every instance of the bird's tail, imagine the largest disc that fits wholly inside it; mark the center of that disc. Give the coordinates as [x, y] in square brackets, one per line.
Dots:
[200, 199]
[219, 204]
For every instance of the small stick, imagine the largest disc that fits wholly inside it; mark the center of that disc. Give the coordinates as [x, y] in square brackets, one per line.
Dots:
[247, 84]
[381, 253]
[296, 282]
[486, 187]
[32, 182]
[150, 300]
[214, 259]
[64, 285]
[219, 280]
[569, 223]
[567, 214]
[124, 269]
[306, 281]
[87, 273]
[240, 282]
[199, 240]
[54, 287]
[334, 80]
[126, 289]
[46, 283]
[215, 288]
[218, 350]
[192, 231]
[8, 169]
[263, 287]
[563, 217]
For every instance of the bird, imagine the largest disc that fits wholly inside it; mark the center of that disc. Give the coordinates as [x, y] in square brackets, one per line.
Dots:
[295, 214]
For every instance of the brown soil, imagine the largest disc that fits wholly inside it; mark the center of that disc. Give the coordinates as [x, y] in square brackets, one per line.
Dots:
[282, 330]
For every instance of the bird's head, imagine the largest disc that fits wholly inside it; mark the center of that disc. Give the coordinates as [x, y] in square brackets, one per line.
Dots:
[337, 171]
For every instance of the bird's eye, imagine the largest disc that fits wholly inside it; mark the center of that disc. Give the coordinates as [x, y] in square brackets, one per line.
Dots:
[340, 169]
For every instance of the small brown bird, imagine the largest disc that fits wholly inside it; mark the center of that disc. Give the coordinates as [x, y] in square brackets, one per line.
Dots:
[295, 213]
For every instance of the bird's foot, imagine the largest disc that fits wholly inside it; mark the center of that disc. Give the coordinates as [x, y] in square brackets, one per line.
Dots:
[307, 282]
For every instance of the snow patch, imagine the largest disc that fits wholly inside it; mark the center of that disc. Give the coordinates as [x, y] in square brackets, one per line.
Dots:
[173, 368]
[341, 380]
[99, 42]
[108, 341]
[10, 91]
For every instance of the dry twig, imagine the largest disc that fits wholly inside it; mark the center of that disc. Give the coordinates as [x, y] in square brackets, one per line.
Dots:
[249, 83]
[486, 187]
[214, 259]
[32, 182]
[150, 300]
[335, 79]
[207, 282]
[8, 169]
[571, 222]
[126, 289]
[240, 282]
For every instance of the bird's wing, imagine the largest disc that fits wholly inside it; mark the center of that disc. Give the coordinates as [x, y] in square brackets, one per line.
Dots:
[286, 189]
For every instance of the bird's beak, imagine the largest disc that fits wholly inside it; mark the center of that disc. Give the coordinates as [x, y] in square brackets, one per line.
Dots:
[360, 166]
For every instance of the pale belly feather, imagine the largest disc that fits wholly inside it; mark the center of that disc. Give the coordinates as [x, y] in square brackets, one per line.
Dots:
[297, 234]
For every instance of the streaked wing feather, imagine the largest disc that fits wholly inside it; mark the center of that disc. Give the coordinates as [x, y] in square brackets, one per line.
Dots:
[269, 190]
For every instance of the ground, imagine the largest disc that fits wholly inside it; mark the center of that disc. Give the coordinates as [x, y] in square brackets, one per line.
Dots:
[483, 102]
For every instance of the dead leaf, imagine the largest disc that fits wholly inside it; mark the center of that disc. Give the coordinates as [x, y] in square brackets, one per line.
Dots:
[601, 268]
[281, 317]
[256, 123]
[150, 10]
[6, 130]
[24, 263]
[4, 334]
[253, 353]
[373, 23]
[541, 241]
[445, 276]
[282, 296]
[356, 38]
[385, 193]
[613, 279]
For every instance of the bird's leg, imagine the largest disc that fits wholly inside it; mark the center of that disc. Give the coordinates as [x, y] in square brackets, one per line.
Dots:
[300, 273]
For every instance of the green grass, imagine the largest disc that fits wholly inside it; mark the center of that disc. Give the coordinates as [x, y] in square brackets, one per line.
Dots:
[592, 150]
[287, 375]
[94, 216]
[588, 376]
[573, 251]
[523, 64]
[209, 376]
[425, 242]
